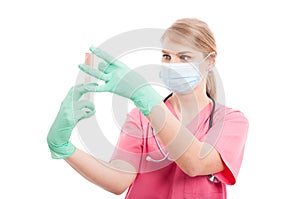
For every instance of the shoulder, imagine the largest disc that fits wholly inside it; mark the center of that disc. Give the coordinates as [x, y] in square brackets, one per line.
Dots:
[230, 121]
[229, 114]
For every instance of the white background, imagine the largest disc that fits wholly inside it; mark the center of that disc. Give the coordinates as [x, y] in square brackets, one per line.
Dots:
[42, 42]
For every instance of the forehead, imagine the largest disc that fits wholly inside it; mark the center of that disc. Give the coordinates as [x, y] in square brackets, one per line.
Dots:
[174, 47]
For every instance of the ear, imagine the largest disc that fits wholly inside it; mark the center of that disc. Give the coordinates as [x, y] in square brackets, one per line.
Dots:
[212, 61]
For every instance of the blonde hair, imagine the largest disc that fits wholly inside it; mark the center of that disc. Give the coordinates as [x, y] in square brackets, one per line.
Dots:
[196, 34]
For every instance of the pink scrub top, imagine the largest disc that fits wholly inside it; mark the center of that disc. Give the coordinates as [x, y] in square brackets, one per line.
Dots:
[165, 180]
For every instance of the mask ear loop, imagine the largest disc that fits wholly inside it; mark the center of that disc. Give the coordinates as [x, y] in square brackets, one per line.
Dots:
[195, 64]
[205, 72]
[205, 75]
[209, 54]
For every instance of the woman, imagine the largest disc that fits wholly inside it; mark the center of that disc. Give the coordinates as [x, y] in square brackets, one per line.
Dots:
[183, 146]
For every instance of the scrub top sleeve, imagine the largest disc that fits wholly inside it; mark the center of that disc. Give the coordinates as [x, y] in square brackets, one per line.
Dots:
[129, 146]
[228, 136]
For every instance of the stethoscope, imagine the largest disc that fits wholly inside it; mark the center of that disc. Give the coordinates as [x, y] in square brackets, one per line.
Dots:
[211, 177]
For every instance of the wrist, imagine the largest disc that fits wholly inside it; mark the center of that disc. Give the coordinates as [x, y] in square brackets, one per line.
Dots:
[61, 151]
[146, 99]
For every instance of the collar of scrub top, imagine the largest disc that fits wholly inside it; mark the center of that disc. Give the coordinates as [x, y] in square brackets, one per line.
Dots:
[166, 155]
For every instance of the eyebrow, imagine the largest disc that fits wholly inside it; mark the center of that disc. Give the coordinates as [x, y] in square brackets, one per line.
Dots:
[179, 53]
[184, 52]
[164, 51]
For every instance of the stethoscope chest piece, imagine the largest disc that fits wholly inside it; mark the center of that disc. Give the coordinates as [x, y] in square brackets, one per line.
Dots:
[213, 178]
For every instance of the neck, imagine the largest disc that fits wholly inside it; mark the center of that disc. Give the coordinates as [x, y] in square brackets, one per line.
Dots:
[187, 106]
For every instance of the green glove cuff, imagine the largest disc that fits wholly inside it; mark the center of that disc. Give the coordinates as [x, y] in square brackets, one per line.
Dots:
[61, 151]
[146, 99]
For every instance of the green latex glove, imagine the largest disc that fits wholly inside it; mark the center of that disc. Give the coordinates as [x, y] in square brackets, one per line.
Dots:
[71, 111]
[121, 80]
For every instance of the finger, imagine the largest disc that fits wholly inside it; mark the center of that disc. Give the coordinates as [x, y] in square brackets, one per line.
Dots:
[97, 88]
[112, 61]
[89, 114]
[78, 85]
[104, 67]
[88, 85]
[79, 90]
[106, 57]
[102, 54]
[84, 104]
[94, 72]
[74, 93]
[82, 114]
[90, 70]
[83, 109]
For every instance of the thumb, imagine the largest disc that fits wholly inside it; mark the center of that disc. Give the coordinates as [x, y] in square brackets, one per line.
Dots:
[94, 87]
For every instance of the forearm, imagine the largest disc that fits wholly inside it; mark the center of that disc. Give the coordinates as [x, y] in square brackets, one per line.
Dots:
[191, 155]
[102, 174]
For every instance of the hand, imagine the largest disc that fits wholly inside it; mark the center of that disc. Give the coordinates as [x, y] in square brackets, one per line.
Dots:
[121, 80]
[71, 111]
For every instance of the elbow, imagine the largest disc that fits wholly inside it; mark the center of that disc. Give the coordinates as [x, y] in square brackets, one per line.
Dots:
[197, 170]
[192, 171]
[192, 174]
[117, 190]
[120, 191]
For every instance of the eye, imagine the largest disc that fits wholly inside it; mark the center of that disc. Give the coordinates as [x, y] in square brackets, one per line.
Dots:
[166, 57]
[185, 57]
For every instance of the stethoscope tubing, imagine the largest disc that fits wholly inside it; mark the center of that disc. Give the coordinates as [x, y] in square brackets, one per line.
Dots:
[210, 177]
[166, 155]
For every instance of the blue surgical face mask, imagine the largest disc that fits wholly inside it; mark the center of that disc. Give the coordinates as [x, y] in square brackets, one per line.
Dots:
[181, 78]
